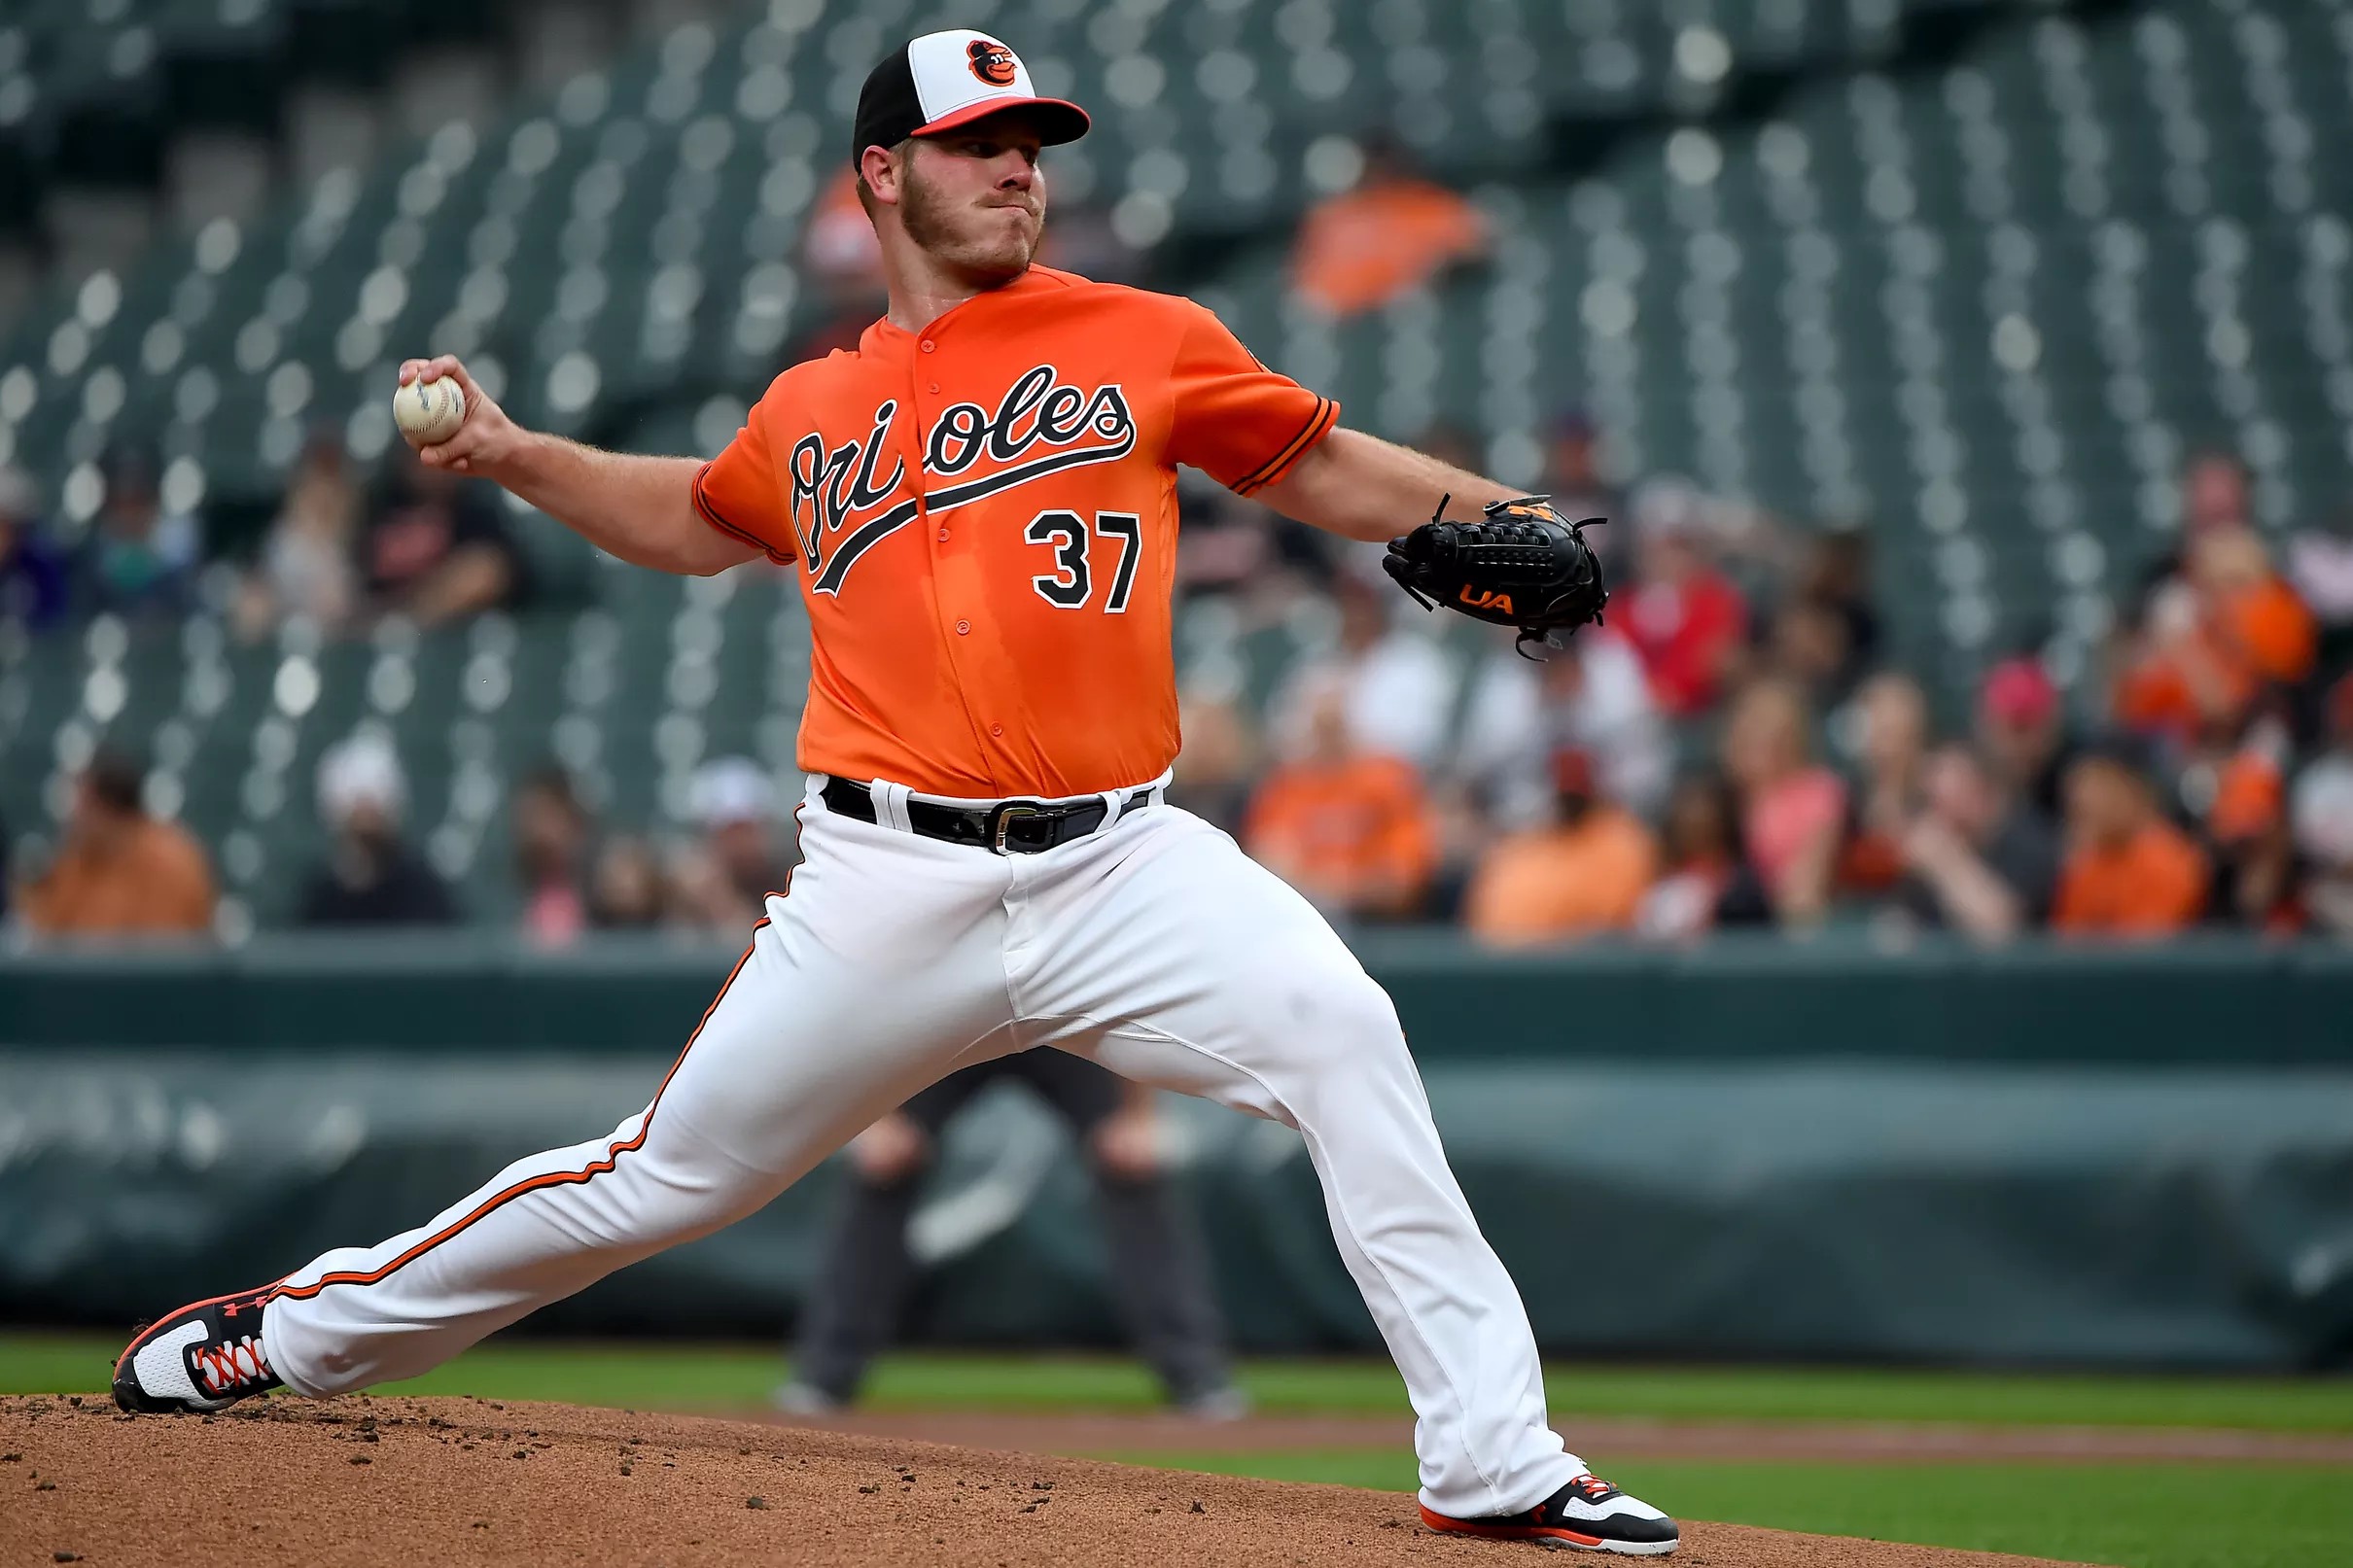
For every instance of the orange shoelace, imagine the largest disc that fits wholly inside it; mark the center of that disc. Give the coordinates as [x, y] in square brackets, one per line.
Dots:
[223, 1366]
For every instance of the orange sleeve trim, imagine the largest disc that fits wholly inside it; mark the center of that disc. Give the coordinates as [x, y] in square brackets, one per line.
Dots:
[1319, 424]
[709, 514]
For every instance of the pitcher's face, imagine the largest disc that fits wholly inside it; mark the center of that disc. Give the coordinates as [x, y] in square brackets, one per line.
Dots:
[975, 197]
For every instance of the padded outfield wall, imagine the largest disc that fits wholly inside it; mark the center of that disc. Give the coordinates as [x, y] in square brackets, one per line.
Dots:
[1826, 1150]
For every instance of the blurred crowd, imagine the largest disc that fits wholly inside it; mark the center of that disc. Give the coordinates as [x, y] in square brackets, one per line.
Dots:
[1735, 746]
[1731, 749]
[120, 871]
[344, 547]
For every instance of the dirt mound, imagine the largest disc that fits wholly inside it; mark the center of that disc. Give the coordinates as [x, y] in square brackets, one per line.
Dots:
[370, 1482]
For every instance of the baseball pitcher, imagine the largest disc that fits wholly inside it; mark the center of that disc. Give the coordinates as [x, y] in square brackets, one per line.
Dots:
[978, 503]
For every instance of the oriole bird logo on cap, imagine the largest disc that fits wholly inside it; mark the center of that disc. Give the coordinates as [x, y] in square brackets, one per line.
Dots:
[992, 61]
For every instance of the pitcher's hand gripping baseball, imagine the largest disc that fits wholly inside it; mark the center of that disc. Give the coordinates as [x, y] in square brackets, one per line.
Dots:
[1522, 565]
[484, 437]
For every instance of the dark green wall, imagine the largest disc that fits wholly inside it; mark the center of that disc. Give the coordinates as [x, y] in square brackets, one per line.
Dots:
[1945, 1212]
[1758, 1149]
[2222, 1002]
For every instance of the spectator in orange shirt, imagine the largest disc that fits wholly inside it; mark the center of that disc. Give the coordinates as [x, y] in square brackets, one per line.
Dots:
[1585, 873]
[2213, 642]
[1350, 829]
[122, 873]
[1391, 233]
[2129, 872]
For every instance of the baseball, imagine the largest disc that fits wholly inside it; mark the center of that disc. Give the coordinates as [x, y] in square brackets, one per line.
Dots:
[429, 412]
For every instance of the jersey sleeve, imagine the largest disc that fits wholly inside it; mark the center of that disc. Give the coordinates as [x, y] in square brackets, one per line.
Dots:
[737, 492]
[1234, 419]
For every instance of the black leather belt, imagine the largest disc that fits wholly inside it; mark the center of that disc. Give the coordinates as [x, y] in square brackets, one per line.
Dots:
[1005, 827]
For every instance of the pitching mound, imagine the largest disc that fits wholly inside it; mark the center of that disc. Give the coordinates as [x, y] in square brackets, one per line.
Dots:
[370, 1482]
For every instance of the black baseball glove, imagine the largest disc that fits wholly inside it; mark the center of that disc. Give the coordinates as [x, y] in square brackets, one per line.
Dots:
[1523, 565]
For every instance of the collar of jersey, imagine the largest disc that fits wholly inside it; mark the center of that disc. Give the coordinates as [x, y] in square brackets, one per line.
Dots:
[887, 335]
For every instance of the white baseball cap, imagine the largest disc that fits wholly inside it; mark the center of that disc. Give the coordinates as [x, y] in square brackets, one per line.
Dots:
[362, 771]
[731, 789]
[948, 78]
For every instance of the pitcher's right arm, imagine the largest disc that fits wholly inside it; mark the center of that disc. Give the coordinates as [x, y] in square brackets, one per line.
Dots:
[639, 508]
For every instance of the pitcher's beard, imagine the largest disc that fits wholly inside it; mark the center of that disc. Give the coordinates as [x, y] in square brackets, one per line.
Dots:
[929, 225]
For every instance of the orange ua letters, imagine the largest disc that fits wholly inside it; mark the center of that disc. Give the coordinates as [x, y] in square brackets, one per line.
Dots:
[983, 516]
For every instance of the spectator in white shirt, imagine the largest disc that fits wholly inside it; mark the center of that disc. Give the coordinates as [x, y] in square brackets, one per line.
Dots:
[2321, 816]
[1399, 683]
[1590, 695]
[2320, 564]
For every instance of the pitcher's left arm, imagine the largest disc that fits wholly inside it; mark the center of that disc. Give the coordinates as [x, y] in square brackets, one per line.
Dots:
[1485, 551]
[1362, 487]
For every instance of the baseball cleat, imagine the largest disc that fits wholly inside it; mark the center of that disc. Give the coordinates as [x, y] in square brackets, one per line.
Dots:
[206, 1356]
[1219, 1405]
[798, 1398]
[1588, 1514]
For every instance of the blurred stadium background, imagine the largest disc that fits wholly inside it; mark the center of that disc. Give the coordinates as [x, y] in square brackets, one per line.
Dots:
[1914, 928]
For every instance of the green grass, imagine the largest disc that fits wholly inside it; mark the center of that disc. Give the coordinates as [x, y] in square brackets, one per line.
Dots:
[693, 1375]
[1861, 1394]
[2139, 1516]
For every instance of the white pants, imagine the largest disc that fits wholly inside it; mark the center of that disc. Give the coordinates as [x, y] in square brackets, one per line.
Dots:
[1154, 946]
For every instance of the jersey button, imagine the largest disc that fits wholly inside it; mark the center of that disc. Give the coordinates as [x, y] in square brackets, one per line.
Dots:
[943, 536]
[997, 729]
[964, 628]
[935, 386]
[927, 345]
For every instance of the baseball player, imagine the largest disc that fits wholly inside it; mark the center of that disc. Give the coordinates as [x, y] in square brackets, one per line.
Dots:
[978, 503]
[1159, 1270]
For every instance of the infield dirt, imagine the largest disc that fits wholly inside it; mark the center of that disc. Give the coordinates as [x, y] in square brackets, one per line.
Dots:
[365, 1481]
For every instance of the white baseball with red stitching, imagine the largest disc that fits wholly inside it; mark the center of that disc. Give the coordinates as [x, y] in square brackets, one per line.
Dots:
[429, 412]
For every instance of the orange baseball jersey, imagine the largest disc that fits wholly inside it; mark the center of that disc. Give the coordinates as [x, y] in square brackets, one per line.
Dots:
[983, 515]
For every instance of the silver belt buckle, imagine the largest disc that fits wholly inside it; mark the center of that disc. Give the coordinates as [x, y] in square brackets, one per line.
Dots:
[1005, 816]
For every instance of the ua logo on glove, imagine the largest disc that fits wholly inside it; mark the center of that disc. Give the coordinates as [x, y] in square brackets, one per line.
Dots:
[1518, 549]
